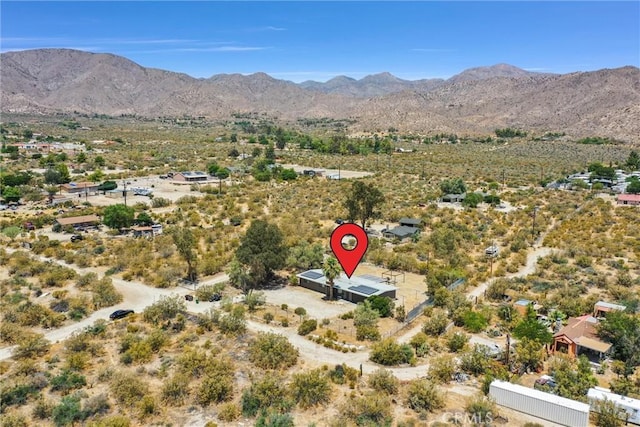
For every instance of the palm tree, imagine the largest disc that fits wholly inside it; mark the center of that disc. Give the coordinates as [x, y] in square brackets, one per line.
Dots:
[331, 270]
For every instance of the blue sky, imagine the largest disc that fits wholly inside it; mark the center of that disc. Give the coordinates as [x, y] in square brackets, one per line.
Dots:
[300, 41]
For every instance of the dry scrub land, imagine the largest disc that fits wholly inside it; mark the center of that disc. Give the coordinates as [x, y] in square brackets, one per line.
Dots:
[241, 360]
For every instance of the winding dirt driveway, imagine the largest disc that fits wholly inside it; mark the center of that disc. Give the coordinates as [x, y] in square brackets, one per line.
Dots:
[137, 296]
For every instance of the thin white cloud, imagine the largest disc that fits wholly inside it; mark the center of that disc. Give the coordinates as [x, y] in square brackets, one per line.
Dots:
[535, 69]
[200, 49]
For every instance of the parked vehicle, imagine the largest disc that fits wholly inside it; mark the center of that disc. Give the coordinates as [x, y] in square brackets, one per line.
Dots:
[119, 314]
[77, 237]
[628, 406]
[544, 382]
[188, 297]
[215, 297]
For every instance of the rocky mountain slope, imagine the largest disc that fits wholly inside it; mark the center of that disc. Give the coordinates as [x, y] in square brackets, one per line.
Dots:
[603, 103]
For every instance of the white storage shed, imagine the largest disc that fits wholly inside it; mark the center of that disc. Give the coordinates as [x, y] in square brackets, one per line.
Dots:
[543, 405]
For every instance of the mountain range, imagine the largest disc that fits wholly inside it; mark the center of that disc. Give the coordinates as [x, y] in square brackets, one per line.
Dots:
[476, 101]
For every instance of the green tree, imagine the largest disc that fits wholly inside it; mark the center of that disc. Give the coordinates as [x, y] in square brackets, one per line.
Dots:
[262, 249]
[331, 270]
[99, 161]
[107, 186]
[530, 328]
[383, 305]
[472, 200]
[529, 353]
[81, 157]
[63, 171]
[186, 244]
[362, 201]
[453, 186]
[634, 186]
[270, 153]
[305, 255]
[118, 216]
[144, 218]
[623, 330]
[12, 232]
[572, 381]
[11, 194]
[633, 161]
[608, 414]
[223, 173]
[365, 319]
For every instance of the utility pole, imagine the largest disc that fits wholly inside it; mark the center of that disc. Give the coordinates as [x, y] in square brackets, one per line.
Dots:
[125, 192]
[533, 224]
[508, 351]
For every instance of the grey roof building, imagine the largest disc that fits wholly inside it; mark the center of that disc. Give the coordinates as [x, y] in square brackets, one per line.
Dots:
[356, 289]
[400, 232]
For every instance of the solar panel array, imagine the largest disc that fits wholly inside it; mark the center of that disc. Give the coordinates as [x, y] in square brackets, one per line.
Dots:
[366, 290]
[311, 275]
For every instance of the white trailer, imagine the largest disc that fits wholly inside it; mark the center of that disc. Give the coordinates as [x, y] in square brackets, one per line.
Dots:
[629, 405]
[543, 405]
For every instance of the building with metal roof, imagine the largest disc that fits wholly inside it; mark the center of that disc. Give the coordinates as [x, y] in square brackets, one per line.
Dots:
[355, 289]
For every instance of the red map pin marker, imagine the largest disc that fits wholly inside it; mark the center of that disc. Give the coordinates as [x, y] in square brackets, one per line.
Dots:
[349, 259]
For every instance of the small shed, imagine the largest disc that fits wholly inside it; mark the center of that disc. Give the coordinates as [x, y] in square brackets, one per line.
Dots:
[453, 198]
[411, 222]
[79, 221]
[601, 308]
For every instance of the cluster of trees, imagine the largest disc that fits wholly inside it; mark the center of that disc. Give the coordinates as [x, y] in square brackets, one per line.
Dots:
[510, 133]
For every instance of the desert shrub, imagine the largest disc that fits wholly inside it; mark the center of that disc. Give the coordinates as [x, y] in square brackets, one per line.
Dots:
[67, 381]
[234, 322]
[111, 421]
[105, 294]
[420, 344]
[310, 388]
[17, 394]
[166, 308]
[14, 420]
[229, 412]
[268, 317]
[343, 373]
[436, 324]
[457, 341]
[383, 381]
[474, 321]
[482, 411]
[127, 389]
[216, 387]
[476, 361]
[96, 405]
[42, 409]
[266, 393]
[160, 202]
[367, 332]
[67, 412]
[307, 326]
[371, 409]
[175, 390]
[388, 352]
[272, 351]
[30, 345]
[254, 299]
[423, 395]
[274, 420]
[205, 292]
[442, 369]
[383, 305]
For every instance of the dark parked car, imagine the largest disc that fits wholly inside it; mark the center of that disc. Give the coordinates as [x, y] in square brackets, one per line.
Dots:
[188, 297]
[77, 237]
[215, 297]
[119, 314]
